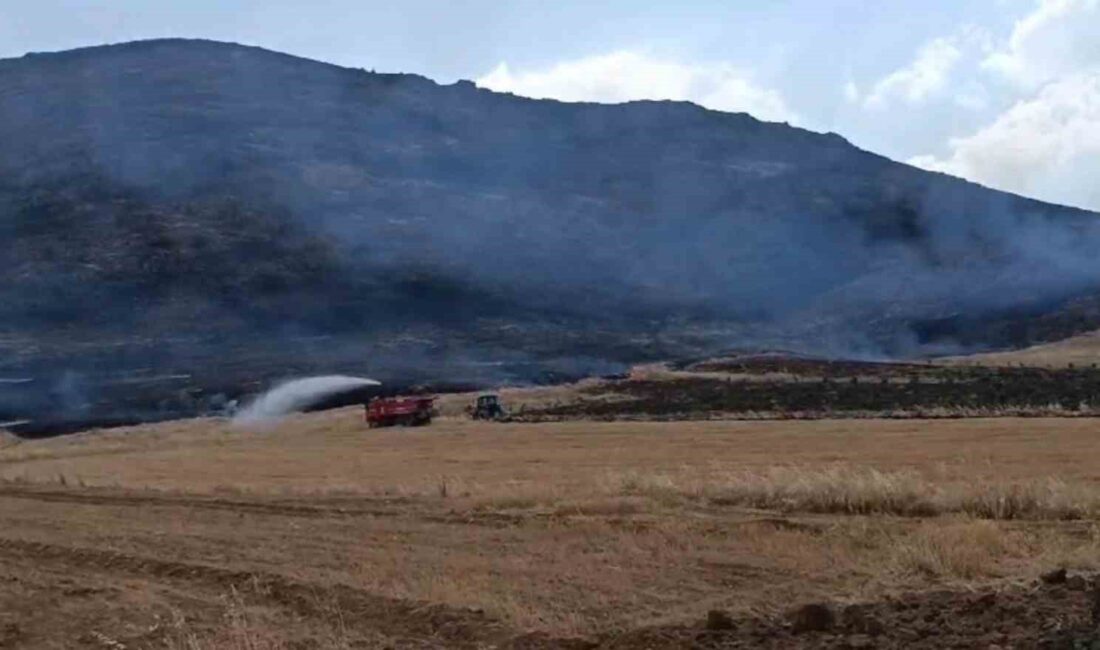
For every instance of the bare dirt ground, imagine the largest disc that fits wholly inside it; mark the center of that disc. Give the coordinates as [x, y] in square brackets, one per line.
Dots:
[318, 533]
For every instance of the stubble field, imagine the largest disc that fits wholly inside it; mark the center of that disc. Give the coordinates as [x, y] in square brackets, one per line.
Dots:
[318, 533]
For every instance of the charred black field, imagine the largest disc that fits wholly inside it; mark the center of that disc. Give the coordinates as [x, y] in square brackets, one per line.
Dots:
[748, 386]
[783, 386]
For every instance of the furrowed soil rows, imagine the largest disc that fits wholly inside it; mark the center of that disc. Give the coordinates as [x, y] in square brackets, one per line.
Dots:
[1061, 615]
[425, 624]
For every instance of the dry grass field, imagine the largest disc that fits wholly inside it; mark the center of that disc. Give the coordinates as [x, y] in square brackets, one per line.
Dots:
[1081, 350]
[317, 533]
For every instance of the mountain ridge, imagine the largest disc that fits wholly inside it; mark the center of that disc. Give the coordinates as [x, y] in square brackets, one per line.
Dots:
[238, 201]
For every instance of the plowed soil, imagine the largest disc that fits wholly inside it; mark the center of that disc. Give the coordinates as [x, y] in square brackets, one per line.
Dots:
[1037, 616]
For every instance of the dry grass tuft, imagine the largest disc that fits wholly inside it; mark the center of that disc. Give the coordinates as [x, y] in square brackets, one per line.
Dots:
[966, 549]
[1048, 498]
[867, 491]
[241, 629]
[603, 507]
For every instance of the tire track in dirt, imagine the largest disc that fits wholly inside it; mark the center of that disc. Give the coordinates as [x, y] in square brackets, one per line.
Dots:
[191, 501]
[277, 508]
[398, 508]
[387, 508]
[715, 519]
[432, 625]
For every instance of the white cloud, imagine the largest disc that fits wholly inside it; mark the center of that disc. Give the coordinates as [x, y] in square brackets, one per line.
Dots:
[851, 91]
[1047, 146]
[972, 97]
[927, 74]
[1057, 38]
[1042, 136]
[625, 76]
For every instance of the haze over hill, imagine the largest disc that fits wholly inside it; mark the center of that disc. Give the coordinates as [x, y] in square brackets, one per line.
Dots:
[176, 207]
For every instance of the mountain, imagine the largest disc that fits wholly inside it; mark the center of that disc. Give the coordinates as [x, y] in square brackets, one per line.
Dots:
[211, 214]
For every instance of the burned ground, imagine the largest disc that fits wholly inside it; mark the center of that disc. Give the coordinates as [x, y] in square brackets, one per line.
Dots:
[787, 386]
[179, 207]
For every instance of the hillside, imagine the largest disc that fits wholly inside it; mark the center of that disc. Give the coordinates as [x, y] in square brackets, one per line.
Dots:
[1081, 351]
[222, 214]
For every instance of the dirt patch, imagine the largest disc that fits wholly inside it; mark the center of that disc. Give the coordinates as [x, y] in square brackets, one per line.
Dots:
[1038, 614]
[410, 621]
[1033, 616]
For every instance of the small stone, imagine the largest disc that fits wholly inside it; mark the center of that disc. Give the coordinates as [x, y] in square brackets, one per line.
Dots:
[1055, 577]
[815, 617]
[719, 620]
[860, 642]
[1076, 583]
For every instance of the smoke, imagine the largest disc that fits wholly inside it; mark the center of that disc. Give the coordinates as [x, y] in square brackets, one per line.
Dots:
[296, 395]
[297, 213]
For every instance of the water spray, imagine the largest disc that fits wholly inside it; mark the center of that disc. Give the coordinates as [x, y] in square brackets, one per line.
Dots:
[296, 395]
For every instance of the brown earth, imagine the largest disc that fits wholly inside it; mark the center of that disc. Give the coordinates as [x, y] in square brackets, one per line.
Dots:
[319, 534]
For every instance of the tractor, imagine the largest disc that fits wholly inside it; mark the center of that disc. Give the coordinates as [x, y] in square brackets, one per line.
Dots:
[487, 407]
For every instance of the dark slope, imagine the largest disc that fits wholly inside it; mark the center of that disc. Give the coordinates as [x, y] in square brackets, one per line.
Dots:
[176, 206]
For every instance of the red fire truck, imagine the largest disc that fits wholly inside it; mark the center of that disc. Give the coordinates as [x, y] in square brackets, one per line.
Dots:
[404, 411]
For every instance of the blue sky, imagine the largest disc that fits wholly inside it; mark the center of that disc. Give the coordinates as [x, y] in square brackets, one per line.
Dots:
[1004, 92]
